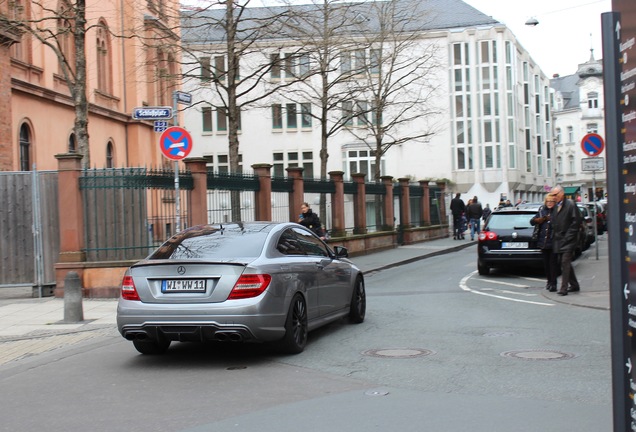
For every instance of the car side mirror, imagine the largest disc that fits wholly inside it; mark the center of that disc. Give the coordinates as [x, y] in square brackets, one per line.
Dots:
[588, 219]
[341, 252]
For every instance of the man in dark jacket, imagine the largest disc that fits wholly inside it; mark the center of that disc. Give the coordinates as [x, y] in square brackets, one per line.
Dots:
[566, 221]
[474, 214]
[457, 207]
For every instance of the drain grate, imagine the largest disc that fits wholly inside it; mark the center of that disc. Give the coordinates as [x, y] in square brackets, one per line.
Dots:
[538, 354]
[398, 352]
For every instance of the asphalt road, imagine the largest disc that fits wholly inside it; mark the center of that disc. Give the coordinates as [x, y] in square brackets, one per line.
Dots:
[431, 355]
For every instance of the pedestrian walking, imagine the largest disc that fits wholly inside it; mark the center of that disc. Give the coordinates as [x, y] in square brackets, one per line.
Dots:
[474, 212]
[565, 225]
[486, 212]
[457, 208]
[543, 229]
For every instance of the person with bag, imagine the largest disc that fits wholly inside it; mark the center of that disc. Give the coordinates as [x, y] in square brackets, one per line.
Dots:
[457, 208]
[474, 214]
[542, 234]
[309, 219]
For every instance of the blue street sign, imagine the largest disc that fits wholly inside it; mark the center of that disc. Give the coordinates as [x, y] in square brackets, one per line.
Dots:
[161, 125]
[183, 98]
[152, 113]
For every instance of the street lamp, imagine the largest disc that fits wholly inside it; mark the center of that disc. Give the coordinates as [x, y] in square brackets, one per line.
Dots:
[532, 22]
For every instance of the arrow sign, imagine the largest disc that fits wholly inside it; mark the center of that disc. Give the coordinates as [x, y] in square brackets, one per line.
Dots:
[629, 365]
[626, 291]
[175, 143]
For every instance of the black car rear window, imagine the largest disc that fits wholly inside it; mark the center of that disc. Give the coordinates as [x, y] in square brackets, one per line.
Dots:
[214, 243]
[509, 220]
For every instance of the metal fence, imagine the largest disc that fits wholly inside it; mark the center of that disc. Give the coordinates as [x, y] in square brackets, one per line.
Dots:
[29, 228]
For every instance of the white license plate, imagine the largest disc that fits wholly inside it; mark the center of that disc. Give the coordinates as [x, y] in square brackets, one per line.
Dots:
[183, 285]
[514, 245]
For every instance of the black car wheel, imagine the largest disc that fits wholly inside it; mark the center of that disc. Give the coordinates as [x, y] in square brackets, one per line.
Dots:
[296, 331]
[358, 306]
[152, 347]
[483, 269]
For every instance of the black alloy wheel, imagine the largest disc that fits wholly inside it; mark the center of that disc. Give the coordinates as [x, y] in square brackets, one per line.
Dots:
[358, 307]
[295, 338]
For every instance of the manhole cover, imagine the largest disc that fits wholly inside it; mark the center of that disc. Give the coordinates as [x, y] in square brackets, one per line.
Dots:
[538, 355]
[399, 352]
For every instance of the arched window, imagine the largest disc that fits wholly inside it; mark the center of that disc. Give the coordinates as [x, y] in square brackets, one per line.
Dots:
[72, 148]
[110, 158]
[559, 165]
[66, 29]
[104, 68]
[25, 148]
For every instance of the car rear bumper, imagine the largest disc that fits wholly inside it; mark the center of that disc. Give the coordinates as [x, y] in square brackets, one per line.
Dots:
[510, 257]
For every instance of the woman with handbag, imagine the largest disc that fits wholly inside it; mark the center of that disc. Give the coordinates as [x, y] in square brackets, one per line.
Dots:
[542, 234]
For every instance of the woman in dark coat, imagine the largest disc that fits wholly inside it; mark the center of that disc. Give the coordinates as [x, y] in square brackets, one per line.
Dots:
[309, 219]
[543, 219]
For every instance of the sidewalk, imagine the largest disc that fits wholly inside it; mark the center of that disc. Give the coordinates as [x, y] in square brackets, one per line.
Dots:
[37, 324]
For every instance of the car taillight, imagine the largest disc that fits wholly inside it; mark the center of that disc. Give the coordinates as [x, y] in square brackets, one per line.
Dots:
[128, 290]
[487, 235]
[250, 285]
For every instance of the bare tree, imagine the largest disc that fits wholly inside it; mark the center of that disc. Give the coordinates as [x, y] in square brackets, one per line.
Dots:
[229, 33]
[395, 93]
[325, 32]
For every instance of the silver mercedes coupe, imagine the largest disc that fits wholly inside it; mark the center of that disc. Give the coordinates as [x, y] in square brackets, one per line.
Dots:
[238, 282]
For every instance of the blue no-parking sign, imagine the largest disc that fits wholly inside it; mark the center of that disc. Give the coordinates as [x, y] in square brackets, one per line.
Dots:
[592, 144]
[175, 143]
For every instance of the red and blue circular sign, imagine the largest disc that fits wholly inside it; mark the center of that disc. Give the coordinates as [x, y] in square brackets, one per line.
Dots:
[592, 144]
[175, 143]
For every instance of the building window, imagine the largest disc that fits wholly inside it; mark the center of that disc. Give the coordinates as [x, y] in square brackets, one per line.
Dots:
[275, 66]
[206, 116]
[347, 113]
[559, 167]
[303, 64]
[375, 59]
[277, 116]
[221, 120]
[289, 65]
[223, 164]
[345, 62]
[558, 135]
[25, 148]
[571, 168]
[293, 159]
[110, 158]
[219, 68]
[104, 63]
[592, 100]
[65, 24]
[19, 11]
[305, 115]
[71, 143]
[361, 113]
[570, 134]
[292, 117]
[206, 69]
[361, 161]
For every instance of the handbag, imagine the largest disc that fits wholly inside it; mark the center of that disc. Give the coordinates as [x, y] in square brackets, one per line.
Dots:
[535, 233]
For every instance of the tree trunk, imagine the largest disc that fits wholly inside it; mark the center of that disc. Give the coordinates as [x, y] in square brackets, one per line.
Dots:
[78, 89]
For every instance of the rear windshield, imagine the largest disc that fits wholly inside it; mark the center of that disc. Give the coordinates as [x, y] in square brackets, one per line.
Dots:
[509, 220]
[226, 243]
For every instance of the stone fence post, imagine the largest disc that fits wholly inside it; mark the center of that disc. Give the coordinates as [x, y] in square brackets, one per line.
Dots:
[359, 205]
[199, 198]
[426, 202]
[297, 196]
[389, 211]
[337, 204]
[405, 203]
[442, 202]
[264, 195]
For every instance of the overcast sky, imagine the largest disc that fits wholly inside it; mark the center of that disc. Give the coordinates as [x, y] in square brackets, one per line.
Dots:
[562, 39]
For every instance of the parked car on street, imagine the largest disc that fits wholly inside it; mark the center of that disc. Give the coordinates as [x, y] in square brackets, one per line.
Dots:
[601, 216]
[590, 237]
[506, 239]
[238, 282]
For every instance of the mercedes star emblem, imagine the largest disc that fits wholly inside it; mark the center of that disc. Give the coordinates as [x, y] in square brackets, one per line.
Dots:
[181, 270]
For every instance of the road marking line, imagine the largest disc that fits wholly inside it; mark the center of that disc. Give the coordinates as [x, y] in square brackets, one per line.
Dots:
[504, 283]
[463, 286]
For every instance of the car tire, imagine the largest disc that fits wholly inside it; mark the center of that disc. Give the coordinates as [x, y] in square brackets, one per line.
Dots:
[296, 329]
[358, 307]
[152, 347]
[483, 269]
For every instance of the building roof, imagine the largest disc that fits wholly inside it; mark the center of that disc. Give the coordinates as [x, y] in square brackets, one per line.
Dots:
[567, 85]
[204, 26]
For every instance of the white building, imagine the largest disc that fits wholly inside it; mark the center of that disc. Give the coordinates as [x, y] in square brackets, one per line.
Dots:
[492, 103]
[578, 110]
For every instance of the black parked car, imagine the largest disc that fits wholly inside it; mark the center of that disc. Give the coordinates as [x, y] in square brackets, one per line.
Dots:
[506, 239]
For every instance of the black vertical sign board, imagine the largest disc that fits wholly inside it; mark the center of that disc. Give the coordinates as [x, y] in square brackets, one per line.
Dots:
[619, 70]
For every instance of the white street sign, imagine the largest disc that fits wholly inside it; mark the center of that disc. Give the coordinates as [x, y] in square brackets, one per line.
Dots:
[593, 164]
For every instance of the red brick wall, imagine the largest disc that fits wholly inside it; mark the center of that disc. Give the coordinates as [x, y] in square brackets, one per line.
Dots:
[6, 134]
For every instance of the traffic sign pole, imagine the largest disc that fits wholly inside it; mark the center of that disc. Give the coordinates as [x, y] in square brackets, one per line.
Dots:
[177, 201]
